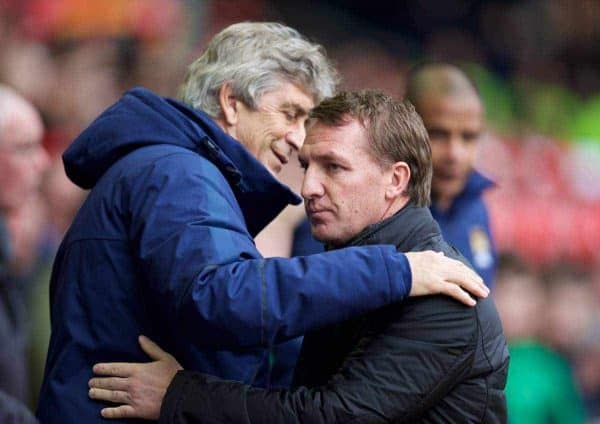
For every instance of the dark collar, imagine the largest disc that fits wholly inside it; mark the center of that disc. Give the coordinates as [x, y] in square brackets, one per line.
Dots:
[474, 187]
[5, 248]
[406, 229]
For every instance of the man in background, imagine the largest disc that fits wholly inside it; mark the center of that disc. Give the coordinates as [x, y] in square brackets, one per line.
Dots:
[453, 113]
[23, 161]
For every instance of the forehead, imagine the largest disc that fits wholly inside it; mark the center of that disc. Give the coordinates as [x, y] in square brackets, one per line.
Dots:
[345, 140]
[287, 94]
[452, 111]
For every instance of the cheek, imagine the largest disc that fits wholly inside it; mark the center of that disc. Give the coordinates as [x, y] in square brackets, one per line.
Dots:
[10, 171]
[362, 202]
[437, 154]
[471, 153]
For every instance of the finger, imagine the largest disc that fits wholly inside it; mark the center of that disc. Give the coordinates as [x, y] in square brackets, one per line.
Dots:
[114, 396]
[469, 280]
[115, 369]
[475, 285]
[459, 294]
[152, 349]
[110, 383]
[123, 411]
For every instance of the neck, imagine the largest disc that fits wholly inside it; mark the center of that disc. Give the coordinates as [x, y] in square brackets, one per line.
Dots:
[394, 206]
[443, 203]
[221, 123]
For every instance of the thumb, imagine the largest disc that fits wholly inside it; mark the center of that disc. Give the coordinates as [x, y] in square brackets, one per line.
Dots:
[152, 349]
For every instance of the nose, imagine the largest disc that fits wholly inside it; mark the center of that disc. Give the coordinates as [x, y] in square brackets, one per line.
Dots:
[312, 187]
[41, 160]
[295, 138]
[455, 148]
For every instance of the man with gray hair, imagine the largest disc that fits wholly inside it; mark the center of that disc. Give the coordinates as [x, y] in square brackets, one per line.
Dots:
[163, 245]
[23, 161]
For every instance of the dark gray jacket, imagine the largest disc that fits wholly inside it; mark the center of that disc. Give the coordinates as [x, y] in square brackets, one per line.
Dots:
[430, 359]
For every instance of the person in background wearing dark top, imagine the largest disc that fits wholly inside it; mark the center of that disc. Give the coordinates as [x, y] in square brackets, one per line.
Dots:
[453, 113]
[367, 181]
[163, 244]
[23, 161]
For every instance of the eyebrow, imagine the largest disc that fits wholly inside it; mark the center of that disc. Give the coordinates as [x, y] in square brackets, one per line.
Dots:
[296, 107]
[330, 156]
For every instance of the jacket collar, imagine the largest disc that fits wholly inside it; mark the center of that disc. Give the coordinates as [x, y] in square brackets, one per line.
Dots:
[406, 229]
[476, 184]
[5, 249]
[260, 195]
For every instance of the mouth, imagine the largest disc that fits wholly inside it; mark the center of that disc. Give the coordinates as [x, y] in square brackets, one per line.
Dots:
[448, 174]
[316, 212]
[282, 157]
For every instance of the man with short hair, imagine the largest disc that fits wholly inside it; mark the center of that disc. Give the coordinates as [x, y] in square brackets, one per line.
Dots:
[451, 108]
[23, 161]
[163, 244]
[367, 178]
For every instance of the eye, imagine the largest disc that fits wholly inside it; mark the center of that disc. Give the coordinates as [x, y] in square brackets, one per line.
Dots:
[334, 167]
[290, 116]
[437, 134]
[470, 137]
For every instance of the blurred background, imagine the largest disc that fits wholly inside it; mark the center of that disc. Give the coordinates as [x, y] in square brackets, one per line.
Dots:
[536, 63]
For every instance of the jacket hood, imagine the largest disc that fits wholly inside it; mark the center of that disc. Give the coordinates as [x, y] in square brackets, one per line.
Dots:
[141, 118]
[138, 119]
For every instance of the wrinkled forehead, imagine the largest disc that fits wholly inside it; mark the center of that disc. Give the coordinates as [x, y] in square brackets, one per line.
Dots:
[288, 92]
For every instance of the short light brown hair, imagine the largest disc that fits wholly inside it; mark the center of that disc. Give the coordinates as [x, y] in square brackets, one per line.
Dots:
[439, 79]
[395, 131]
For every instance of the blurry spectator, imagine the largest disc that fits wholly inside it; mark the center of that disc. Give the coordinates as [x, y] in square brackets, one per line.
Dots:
[22, 163]
[566, 325]
[540, 388]
[452, 112]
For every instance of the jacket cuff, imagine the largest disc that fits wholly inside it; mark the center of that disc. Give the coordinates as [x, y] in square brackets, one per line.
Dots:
[399, 274]
[175, 396]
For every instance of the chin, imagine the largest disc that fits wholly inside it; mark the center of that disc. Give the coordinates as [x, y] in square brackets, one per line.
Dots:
[274, 169]
[320, 236]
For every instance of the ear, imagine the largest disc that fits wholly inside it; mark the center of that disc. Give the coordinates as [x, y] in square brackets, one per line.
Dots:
[398, 180]
[229, 105]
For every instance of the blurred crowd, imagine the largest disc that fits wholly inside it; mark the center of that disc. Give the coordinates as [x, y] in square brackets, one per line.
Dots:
[532, 61]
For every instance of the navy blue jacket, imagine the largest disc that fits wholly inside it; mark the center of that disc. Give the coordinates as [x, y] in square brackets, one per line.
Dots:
[466, 226]
[163, 246]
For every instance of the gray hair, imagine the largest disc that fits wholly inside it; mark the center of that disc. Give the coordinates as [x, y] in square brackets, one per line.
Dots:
[255, 58]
